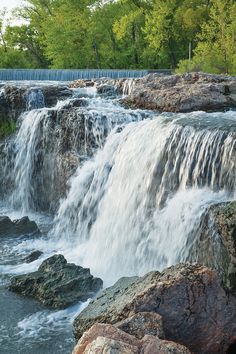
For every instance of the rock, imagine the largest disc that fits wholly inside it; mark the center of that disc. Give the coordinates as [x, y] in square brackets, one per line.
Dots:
[57, 284]
[154, 345]
[103, 338]
[196, 310]
[14, 98]
[82, 83]
[22, 226]
[215, 246]
[184, 93]
[141, 324]
[108, 332]
[33, 256]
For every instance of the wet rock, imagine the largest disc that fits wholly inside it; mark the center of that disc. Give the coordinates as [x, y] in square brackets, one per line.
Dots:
[33, 256]
[57, 284]
[216, 243]
[103, 338]
[82, 84]
[18, 227]
[197, 312]
[14, 98]
[141, 324]
[184, 93]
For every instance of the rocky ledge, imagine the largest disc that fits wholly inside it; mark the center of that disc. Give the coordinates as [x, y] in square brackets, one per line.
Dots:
[185, 304]
[215, 244]
[18, 227]
[57, 284]
[16, 99]
[183, 93]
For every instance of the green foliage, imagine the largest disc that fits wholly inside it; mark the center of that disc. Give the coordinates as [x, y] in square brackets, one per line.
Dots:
[7, 128]
[122, 34]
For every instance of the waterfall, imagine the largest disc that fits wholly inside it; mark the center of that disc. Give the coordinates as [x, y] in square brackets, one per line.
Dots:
[51, 142]
[137, 204]
[34, 98]
[68, 75]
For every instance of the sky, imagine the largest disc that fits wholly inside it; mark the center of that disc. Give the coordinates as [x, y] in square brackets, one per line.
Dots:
[9, 4]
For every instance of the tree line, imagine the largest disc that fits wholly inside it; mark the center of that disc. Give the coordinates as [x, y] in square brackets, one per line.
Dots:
[133, 34]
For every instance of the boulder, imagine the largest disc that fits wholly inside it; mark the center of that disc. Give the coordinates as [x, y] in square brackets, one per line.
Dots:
[197, 312]
[33, 256]
[57, 284]
[184, 93]
[18, 227]
[104, 338]
[215, 245]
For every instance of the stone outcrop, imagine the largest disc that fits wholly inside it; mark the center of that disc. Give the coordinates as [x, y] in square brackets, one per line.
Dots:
[216, 243]
[57, 284]
[14, 98]
[18, 227]
[184, 93]
[104, 339]
[196, 311]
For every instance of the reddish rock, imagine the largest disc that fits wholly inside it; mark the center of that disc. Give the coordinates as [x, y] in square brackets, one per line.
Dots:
[197, 312]
[107, 339]
[107, 331]
[141, 324]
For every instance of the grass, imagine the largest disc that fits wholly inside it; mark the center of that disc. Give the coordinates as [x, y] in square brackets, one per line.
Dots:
[7, 128]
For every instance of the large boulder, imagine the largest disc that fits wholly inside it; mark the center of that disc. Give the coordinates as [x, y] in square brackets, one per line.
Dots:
[184, 93]
[196, 310]
[57, 284]
[107, 339]
[215, 245]
[17, 227]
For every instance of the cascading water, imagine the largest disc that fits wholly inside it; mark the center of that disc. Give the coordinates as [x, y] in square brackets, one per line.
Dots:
[34, 98]
[51, 142]
[137, 205]
[134, 203]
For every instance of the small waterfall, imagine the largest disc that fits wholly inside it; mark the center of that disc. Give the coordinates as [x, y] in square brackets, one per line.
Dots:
[34, 98]
[128, 87]
[137, 205]
[27, 154]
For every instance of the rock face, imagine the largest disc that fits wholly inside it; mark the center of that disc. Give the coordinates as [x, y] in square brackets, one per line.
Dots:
[14, 99]
[57, 284]
[22, 226]
[216, 244]
[196, 310]
[184, 93]
[107, 339]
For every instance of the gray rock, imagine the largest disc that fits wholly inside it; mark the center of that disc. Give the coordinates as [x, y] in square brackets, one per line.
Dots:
[22, 226]
[33, 256]
[184, 93]
[57, 284]
[196, 310]
[215, 245]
